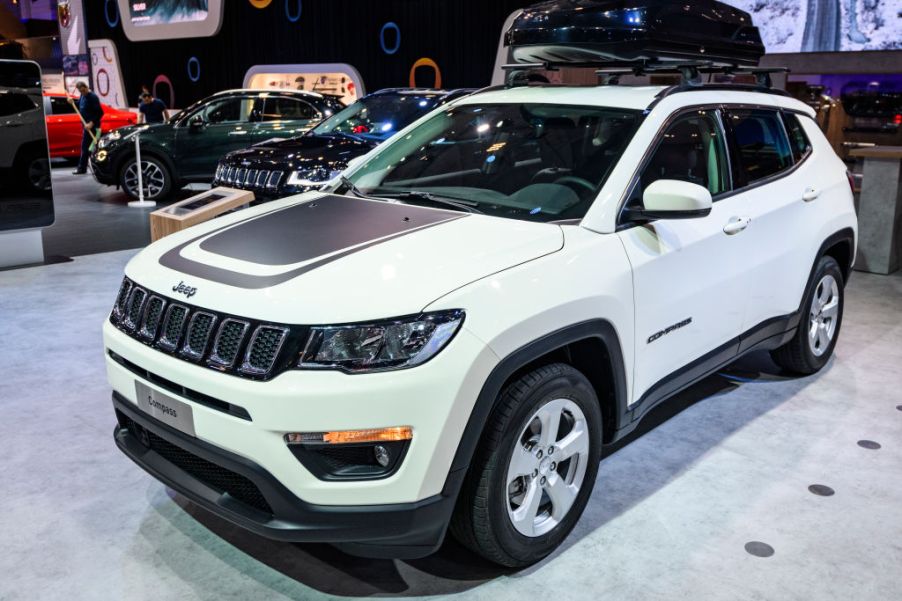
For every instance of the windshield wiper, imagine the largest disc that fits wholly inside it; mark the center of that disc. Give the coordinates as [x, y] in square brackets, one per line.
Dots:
[429, 197]
[354, 189]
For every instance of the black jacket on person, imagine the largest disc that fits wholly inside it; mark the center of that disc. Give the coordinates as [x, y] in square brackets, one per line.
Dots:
[89, 107]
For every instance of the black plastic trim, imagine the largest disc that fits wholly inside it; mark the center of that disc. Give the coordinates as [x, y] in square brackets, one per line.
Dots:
[192, 395]
[401, 530]
[491, 389]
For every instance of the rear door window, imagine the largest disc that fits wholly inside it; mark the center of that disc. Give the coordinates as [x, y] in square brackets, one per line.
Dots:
[288, 109]
[60, 106]
[761, 144]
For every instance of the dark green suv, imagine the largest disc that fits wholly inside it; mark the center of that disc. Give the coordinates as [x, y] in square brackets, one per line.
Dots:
[187, 148]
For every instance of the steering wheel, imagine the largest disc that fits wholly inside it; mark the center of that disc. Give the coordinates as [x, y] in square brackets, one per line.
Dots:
[579, 181]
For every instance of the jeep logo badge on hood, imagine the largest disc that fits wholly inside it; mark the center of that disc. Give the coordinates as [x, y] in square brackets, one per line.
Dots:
[183, 288]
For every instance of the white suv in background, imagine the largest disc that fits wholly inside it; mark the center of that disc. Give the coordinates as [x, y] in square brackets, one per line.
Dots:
[448, 337]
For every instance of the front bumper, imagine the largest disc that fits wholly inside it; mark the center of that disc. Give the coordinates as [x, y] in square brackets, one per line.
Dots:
[212, 478]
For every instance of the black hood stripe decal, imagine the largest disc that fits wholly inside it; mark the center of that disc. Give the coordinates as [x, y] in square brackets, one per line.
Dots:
[370, 224]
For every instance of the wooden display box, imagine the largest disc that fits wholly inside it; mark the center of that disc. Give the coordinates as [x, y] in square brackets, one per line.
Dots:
[197, 209]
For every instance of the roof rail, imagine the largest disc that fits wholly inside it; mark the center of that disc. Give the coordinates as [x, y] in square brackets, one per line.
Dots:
[690, 72]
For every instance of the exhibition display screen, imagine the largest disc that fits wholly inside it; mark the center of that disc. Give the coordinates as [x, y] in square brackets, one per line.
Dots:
[26, 199]
[166, 19]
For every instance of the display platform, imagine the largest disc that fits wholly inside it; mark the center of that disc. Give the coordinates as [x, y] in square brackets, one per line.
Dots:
[733, 468]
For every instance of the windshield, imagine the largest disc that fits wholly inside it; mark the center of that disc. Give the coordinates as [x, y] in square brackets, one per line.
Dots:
[378, 116]
[525, 161]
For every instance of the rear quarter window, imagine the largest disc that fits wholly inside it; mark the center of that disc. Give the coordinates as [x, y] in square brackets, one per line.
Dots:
[798, 139]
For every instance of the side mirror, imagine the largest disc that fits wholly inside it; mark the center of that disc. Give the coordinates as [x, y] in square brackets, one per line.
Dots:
[672, 199]
[196, 123]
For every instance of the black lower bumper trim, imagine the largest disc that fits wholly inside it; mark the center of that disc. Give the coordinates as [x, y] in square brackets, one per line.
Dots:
[403, 530]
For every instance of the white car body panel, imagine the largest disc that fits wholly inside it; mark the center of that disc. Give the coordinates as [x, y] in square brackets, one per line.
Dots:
[517, 282]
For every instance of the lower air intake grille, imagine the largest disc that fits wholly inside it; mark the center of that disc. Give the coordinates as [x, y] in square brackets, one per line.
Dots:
[216, 477]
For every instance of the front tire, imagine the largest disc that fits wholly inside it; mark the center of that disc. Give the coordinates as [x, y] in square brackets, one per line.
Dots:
[812, 346]
[535, 469]
[157, 178]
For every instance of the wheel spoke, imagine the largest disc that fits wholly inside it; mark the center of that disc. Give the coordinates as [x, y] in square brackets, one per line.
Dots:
[523, 462]
[812, 332]
[822, 338]
[525, 514]
[561, 495]
[574, 443]
[831, 309]
[823, 294]
[550, 418]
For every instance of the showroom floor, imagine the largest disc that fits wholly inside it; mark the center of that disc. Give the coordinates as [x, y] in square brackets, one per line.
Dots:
[93, 218]
[672, 516]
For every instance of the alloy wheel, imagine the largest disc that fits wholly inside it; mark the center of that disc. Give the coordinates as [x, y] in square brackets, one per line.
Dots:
[154, 179]
[547, 467]
[822, 316]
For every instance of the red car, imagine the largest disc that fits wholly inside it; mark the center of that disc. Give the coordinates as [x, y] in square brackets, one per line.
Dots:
[64, 128]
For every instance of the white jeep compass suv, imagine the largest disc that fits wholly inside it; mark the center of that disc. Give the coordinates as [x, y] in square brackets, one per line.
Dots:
[446, 339]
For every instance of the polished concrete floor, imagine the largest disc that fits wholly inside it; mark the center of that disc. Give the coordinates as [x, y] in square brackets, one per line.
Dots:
[93, 218]
[672, 516]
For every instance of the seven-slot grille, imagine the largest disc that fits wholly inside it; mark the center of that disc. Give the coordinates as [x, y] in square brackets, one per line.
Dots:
[234, 345]
[247, 178]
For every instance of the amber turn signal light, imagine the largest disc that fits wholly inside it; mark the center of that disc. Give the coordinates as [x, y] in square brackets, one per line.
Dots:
[394, 434]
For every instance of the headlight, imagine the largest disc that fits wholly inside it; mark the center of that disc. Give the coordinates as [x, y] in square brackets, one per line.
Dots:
[393, 344]
[312, 177]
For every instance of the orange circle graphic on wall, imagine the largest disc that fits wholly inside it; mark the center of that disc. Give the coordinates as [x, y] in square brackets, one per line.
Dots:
[425, 62]
[260, 3]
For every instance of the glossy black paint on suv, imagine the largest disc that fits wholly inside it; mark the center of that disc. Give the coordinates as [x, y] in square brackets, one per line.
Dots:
[188, 147]
[281, 168]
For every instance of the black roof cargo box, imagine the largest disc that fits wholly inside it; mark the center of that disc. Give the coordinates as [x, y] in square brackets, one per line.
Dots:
[599, 31]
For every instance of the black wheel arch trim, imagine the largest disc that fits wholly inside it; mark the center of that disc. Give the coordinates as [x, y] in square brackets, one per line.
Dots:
[599, 329]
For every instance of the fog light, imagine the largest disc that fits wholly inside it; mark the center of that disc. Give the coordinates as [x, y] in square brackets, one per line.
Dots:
[383, 457]
[101, 156]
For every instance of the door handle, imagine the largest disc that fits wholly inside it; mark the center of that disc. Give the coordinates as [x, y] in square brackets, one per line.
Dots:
[810, 194]
[239, 133]
[736, 225]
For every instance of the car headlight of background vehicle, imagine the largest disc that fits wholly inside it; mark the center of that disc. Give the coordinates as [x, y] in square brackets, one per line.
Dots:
[109, 139]
[317, 176]
[390, 344]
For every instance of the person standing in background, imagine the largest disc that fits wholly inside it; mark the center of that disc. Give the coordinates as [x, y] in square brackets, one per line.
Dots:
[153, 110]
[91, 113]
[144, 90]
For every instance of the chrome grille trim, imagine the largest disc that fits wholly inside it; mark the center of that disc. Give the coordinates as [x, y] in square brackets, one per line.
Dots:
[149, 331]
[276, 350]
[165, 342]
[189, 350]
[134, 314]
[215, 358]
[246, 366]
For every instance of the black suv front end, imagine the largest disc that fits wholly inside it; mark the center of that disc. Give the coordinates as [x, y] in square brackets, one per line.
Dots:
[279, 168]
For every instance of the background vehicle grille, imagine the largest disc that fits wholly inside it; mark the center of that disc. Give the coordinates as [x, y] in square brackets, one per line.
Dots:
[248, 178]
[231, 344]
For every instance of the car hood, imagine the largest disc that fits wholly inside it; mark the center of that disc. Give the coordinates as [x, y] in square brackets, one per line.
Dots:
[319, 259]
[302, 152]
